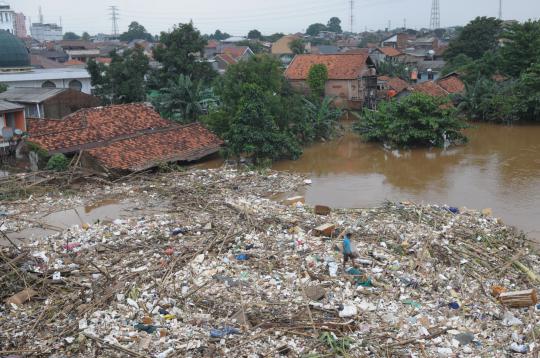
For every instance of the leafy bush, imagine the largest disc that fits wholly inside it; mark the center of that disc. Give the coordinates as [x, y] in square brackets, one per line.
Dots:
[317, 78]
[58, 162]
[417, 120]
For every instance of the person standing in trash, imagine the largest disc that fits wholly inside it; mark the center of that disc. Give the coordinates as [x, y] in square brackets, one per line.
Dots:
[349, 250]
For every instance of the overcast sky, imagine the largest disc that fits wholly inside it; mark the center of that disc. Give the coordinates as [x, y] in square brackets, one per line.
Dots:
[237, 17]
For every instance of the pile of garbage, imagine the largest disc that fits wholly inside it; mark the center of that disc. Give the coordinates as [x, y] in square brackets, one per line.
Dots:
[225, 271]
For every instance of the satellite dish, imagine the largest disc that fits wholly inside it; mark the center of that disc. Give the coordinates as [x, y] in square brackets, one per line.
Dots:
[431, 52]
[17, 131]
[7, 133]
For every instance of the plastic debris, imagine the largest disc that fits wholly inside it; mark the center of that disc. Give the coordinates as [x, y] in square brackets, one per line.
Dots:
[225, 331]
[242, 257]
[148, 328]
[453, 305]
[519, 348]
[348, 311]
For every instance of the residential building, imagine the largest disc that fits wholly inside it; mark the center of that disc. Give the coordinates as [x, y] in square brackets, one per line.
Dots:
[19, 25]
[68, 77]
[38, 61]
[281, 48]
[79, 50]
[211, 49]
[233, 40]
[7, 18]
[450, 84]
[386, 54]
[49, 102]
[230, 55]
[389, 87]
[120, 138]
[324, 50]
[351, 77]
[399, 41]
[12, 125]
[53, 55]
[46, 32]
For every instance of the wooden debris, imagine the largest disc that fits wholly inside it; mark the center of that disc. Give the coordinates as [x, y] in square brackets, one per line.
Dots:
[322, 210]
[293, 200]
[325, 230]
[22, 297]
[518, 299]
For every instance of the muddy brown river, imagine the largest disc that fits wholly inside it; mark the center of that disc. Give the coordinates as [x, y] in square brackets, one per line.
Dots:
[499, 169]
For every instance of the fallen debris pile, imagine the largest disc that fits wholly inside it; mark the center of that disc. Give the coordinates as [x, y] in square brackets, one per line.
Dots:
[227, 272]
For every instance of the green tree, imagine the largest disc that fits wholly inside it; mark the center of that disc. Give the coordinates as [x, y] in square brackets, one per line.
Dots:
[370, 37]
[58, 163]
[297, 46]
[273, 37]
[528, 94]
[71, 36]
[521, 47]
[178, 53]
[255, 46]
[86, 36]
[183, 100]
[136, 31]
[323, 117]
[315, 29]
[254, 131]
[393, 69]
[254, 35]
[317, 78]
[417, 120]
[218, 35]
[476, 38]
[3, 87]
[123, 81]
[334, 25]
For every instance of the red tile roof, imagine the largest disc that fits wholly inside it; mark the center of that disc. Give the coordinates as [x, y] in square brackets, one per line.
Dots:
[340, 66]
[430, 88]
[360, 50]
[452, 84]
[104, 60]
[74, 63]
[143, 151]
[227, 58]
[107, 131]
[235, 51]
[395, 83]
[43, 62]
[390, 51]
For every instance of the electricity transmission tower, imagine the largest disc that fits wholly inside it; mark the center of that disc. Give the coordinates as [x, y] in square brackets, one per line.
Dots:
[114, 18]
[351, 3]
[435, 22]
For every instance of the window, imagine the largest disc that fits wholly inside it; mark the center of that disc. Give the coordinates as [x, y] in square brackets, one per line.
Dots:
[10, 120]
[75, 85]
[48, 84]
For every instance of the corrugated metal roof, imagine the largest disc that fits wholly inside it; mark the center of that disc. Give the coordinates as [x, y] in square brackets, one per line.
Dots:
[29, 95]
[67, 73]
[6, 106]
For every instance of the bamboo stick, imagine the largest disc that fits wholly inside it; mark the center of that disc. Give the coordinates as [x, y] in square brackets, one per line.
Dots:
[516, 299]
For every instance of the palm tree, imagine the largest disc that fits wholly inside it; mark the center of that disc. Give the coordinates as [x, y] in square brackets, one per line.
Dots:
[184, 101]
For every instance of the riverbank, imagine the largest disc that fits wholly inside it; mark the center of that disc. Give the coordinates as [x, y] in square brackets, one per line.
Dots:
[222, 270]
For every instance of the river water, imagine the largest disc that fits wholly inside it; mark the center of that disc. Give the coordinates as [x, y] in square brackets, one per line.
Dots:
[499, 169]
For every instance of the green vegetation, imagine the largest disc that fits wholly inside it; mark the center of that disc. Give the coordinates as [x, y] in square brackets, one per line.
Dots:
[218, 35]
[502, 82]
[85, 36]
[71, 36]
[261, 117]
[338, 346]
[417, 120]
[333, 25]
[317, 78]
[136, 31]
[315, 29]
[393, 69]
[254, 45]
[183, 100]
[297, 46]
[123, 81]
[177, 52]
[58, 163]
[254, 35]
[3, 87]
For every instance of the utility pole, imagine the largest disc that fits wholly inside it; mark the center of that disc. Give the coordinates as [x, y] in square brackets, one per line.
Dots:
[351, 3]
[40, 15]
[405, 24]
[435, 21]
[500, 9]
[114, 18]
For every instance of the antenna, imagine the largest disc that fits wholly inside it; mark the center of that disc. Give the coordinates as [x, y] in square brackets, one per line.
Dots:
[405, 23]
[500, 9]
[114, 18]
[351, 3]
[435, 21]
[40, 15]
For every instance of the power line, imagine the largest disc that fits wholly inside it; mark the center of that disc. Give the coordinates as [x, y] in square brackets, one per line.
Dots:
[435, 21]
[114, 19]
